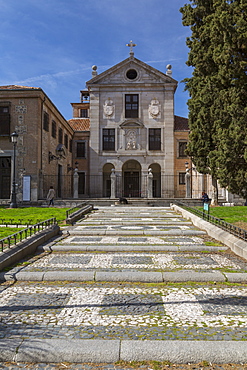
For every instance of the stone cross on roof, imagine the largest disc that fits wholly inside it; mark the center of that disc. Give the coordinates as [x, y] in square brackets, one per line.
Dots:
[131, 46]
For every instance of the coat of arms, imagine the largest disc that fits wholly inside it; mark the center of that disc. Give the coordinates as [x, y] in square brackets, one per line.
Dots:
[108, 108]
[154, 108]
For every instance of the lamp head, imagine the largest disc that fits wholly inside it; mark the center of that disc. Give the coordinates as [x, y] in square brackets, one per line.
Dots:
[14, 137]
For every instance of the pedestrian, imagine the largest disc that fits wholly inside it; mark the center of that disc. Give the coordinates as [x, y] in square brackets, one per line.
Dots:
[51, 196]
[205, 198]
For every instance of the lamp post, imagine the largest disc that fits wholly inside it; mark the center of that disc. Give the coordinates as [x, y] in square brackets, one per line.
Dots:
[13, 203]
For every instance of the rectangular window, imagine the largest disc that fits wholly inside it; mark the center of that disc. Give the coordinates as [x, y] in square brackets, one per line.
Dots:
[70, 145]
[46, 121]
[182, 145]
[84, 113]
[155, 139]
[131, 105]
[66, 139]
[108, 139]
[60, 136]
[54, 129]
[4, 121]
[181, 178]
[81, 149]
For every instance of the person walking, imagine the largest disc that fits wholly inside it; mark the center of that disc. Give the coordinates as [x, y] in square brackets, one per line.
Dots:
[205, 198]
[51, 196]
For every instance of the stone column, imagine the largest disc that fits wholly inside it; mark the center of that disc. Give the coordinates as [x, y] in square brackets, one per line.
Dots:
[113, 184]
[76, 183]
[187, 183]
[150, 183]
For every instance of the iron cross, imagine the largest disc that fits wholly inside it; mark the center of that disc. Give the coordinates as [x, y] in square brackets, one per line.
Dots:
[131, 46]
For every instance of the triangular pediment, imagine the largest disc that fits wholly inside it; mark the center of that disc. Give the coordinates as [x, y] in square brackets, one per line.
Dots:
[131, 123]
[118, 74]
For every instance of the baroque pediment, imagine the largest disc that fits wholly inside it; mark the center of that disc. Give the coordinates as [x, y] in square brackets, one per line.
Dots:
[131, 123]
[121, 74]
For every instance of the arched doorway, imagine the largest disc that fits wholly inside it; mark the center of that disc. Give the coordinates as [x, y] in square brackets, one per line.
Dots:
[107, 179]
[132, 179]
[156, 170]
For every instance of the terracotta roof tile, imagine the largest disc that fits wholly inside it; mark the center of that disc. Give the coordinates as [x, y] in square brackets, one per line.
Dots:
[181, 124]
[79, 124]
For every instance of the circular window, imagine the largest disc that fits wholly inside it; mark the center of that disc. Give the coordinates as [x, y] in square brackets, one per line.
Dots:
[131, 74]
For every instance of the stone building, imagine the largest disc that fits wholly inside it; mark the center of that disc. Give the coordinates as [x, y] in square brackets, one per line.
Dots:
[134, 134]
[44, 145]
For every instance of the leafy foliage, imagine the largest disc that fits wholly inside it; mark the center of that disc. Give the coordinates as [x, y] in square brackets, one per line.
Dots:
[218, 89]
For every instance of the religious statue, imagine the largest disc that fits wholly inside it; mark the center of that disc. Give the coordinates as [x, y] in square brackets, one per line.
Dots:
[131, 140]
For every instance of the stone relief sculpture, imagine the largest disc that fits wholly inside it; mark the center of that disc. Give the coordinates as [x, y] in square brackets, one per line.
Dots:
[109, 108]
[131, 140]
[154, 109]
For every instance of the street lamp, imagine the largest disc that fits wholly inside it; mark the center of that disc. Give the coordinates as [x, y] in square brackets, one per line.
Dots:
[13, 203]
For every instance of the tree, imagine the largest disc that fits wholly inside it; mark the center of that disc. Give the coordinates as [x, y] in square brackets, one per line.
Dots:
[218, 90]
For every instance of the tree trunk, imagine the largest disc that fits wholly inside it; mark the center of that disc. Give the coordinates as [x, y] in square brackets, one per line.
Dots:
[215, 194]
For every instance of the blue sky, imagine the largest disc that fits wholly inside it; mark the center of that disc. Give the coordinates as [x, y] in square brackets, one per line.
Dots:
[53, 44]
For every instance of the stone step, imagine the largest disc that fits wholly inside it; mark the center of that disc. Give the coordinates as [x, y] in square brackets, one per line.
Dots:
[182, 276]
[131, 266]
[145, 292]
[128, 248]
[137, 222]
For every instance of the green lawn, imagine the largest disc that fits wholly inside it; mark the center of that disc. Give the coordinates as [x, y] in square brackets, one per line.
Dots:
[6, 231]
[32, 214]
[234, 215]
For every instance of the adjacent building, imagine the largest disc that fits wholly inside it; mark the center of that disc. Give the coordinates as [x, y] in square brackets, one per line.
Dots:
[44, 145]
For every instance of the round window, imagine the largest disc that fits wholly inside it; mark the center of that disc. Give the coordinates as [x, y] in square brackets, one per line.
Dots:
[131, 74]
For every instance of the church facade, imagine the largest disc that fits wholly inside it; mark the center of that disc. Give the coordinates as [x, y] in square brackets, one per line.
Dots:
[134, 134]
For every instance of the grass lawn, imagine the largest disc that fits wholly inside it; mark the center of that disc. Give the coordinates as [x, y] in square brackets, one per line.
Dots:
[234, 215]
[25, 216]
[32, 215]
[6, 231]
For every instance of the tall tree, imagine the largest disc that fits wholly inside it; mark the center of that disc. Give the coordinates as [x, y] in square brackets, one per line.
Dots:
[218, 90]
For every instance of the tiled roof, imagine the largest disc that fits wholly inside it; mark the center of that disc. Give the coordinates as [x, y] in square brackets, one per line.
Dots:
[17, 87]
[181, 124]
[80, 124]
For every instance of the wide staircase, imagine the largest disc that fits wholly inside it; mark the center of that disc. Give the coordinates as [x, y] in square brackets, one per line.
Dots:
[126, 284]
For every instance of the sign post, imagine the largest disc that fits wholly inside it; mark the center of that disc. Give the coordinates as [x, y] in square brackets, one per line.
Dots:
[206, 208]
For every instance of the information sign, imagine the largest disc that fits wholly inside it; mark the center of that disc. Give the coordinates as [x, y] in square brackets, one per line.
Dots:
[26, 188]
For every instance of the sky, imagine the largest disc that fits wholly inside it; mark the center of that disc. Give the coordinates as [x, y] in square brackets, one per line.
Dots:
[53, 44]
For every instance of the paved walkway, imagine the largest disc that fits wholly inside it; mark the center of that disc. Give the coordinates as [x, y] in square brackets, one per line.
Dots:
[126, 284]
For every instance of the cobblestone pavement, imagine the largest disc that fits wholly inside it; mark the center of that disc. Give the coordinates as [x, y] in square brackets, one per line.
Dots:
[93, 311]
[134, 311]
[134, 261]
